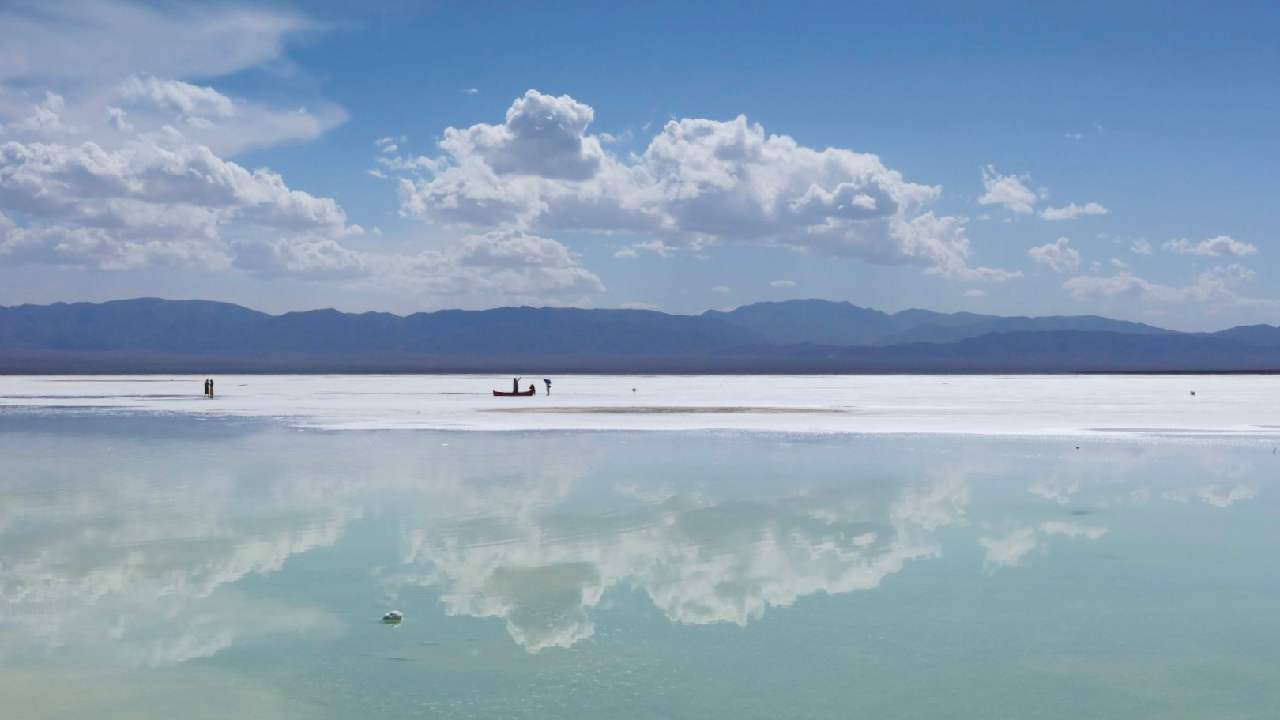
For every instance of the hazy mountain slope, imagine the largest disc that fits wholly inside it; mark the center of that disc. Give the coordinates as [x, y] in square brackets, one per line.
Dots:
[976, 326]
[150, 335]
[815, 321]
[840, 323]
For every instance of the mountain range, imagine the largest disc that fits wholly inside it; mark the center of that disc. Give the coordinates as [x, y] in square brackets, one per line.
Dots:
[797, 336]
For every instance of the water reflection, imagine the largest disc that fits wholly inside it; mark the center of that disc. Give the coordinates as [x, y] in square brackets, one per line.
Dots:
[120, 551]
[698, 559]
[136, 547]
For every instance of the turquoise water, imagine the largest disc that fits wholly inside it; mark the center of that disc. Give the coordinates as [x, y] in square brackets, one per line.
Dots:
[155, 567]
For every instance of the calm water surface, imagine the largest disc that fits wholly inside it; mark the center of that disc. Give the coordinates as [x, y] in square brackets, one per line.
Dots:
[177, 567]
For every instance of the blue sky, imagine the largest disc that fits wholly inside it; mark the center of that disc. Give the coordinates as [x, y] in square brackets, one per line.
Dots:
[1116, 158]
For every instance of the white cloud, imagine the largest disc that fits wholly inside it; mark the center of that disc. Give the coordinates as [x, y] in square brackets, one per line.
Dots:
[975, 293]
[97, 62]
[782, 283]
[1214, 247]
[156, 200]
[640, 306]
[225, 125]
[1073, 211]
[503, 265]
[105, 40]
[45, 119]
[471, 91]
[1056, 256]
[184, 98]
[1007, 190]
[129, 170]
[301, 258]
[543, 136]
[720, 289]
[657, 247]
[1140, 247]
[699, 182]
[512, 250]
[1213, 287]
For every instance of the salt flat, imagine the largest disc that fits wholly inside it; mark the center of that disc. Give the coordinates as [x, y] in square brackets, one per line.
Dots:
[950, 404]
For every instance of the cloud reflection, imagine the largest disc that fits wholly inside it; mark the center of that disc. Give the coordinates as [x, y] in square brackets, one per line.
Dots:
[699, 560]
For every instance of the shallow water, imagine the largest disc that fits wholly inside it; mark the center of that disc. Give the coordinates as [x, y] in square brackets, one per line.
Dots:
[185, 566]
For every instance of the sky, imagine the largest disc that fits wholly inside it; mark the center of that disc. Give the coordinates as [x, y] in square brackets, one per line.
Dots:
[1010, 158]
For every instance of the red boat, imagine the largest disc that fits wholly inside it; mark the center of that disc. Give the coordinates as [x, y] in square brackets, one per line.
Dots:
[526, 393]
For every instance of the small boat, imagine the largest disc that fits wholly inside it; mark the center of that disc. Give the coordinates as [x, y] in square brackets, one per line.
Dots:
[525, 393]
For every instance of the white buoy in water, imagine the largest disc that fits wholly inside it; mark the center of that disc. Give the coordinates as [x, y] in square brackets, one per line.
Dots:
[393, 618]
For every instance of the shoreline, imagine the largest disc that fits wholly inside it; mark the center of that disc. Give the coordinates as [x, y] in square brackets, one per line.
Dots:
[1097, 406]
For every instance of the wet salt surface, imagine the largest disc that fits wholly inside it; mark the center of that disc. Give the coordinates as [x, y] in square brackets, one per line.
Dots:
[236, 563]
[942, 404]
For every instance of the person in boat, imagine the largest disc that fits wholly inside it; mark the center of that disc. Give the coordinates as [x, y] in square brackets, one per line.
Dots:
[515, 385]
[531, 390]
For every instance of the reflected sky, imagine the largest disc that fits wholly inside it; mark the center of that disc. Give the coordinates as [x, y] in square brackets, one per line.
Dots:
[629, 574]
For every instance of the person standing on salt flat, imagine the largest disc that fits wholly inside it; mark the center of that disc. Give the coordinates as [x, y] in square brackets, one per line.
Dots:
[548, 382]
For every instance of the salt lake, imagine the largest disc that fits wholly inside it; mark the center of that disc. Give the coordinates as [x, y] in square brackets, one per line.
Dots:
[640, 547]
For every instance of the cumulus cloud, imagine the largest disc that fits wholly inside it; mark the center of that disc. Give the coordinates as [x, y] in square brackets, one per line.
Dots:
[126, 165]
[1073, 211]
[975, 293]
[45, 119]
[1213, 247]
[698, 182]
[720, 289]
[782, 283]
[1007, 190]
[92, 206]
[187, 100]
[505, 265]
[1140, 247]
[300, 258]
[1056, 256]
[543, 136]
[1213, 287]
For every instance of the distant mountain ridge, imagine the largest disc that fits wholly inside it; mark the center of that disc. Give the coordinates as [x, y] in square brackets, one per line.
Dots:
[155, 335]
[841, 323]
